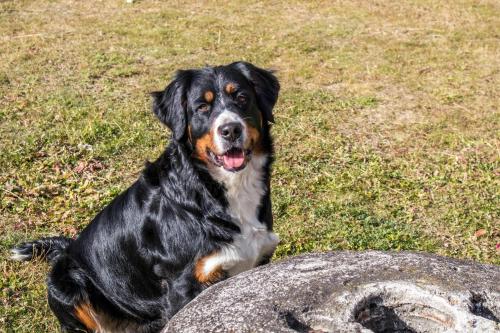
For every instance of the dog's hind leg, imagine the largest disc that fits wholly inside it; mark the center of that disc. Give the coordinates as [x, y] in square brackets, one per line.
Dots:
[67, 292]
[67, 317]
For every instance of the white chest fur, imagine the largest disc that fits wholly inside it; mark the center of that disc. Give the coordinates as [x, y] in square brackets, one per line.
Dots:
[244, 193]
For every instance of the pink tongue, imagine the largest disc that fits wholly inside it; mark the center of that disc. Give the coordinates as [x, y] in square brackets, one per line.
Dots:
[233, 160]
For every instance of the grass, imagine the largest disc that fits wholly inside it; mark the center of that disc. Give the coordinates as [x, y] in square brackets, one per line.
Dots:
[387, 127]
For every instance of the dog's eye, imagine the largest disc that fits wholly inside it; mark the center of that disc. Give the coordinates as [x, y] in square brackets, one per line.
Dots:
[203, 108]
[242, 99]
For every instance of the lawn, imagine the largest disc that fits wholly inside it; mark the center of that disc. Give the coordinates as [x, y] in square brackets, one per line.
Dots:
[387, 127]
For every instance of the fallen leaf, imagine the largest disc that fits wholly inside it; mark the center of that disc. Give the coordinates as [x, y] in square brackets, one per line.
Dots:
[56, 168]
[90, 166]
[94, 166]
[40, 154]
[71, 231]
[479, 233]
[80, 167]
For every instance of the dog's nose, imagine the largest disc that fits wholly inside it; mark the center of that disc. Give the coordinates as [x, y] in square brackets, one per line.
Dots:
[230, 131]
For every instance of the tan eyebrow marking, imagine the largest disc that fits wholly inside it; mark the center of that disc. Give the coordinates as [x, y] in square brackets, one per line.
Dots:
[230, 88]
[209, 96]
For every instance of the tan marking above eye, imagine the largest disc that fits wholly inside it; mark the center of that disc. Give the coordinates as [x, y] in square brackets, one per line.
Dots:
[209, 96]
[230, 88]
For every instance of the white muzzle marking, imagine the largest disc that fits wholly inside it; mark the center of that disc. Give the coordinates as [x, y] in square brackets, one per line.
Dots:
[224, 118]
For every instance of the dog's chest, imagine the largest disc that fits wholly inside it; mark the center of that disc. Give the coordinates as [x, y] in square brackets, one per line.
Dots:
[244, 194]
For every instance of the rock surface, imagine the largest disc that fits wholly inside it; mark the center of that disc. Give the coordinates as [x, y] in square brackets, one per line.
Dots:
[351, 292]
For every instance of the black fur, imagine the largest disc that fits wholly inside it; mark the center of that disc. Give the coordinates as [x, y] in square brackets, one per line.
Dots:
[134, 262]
[168, 105]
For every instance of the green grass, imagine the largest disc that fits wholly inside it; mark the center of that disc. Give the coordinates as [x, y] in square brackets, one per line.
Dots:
[387, 127]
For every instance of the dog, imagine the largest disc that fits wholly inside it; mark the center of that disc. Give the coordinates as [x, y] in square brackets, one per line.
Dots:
[198, 214]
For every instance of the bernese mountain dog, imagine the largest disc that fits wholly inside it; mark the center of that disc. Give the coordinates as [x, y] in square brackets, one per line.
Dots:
[198, 214]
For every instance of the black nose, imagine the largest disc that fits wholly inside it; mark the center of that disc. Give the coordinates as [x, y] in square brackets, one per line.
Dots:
[230, 131]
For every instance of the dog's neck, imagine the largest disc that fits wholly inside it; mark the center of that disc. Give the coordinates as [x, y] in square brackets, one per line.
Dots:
[244, 189]
[239, 192]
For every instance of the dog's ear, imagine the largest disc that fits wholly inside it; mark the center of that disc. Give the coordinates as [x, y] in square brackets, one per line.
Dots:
[169, 105]
[265, 84]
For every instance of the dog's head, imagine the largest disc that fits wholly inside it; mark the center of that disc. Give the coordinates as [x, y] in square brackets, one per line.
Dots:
[222, 112]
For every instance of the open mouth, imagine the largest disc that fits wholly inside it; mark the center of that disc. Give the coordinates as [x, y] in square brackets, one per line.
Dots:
[234, 159]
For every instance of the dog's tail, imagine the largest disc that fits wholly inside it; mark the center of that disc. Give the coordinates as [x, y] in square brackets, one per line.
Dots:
[48, 248]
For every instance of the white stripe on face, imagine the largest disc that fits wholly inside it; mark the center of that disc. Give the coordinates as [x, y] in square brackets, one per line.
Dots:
[224, 118]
